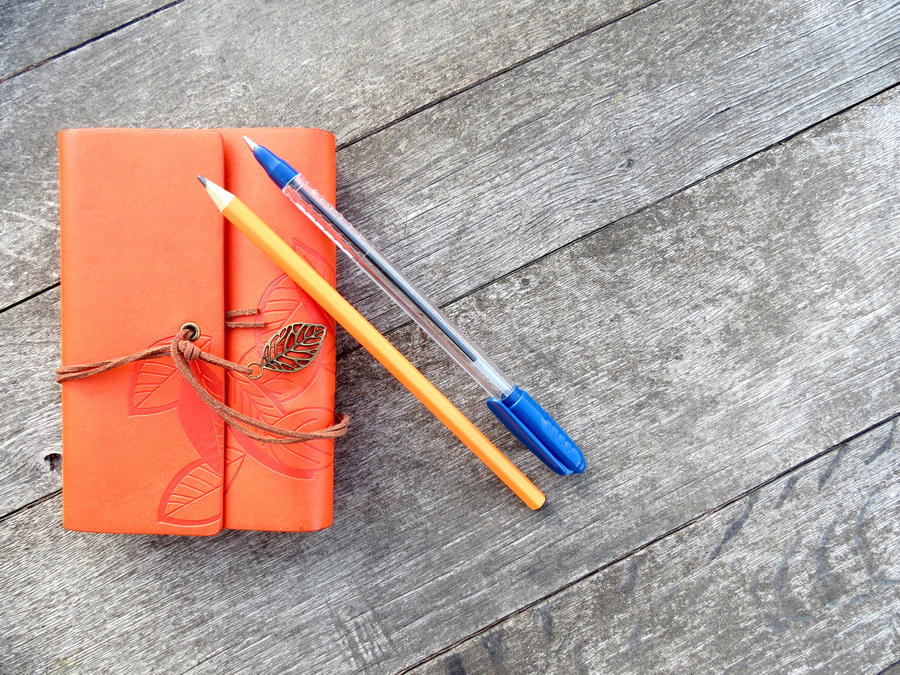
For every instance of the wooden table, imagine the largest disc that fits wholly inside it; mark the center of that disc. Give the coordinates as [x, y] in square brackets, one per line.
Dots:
[677, 222]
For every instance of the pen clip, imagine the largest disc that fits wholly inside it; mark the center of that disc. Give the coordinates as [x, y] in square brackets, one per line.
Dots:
[539, 432]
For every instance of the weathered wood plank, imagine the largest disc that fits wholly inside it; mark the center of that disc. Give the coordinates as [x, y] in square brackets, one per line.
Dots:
[695, 349]
[801, 576]
[30, 425]
[34, 30]
[356, 67]
[557, 148]
[507, 172]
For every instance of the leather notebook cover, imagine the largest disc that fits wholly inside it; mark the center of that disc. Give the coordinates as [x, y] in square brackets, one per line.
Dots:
[143, 250]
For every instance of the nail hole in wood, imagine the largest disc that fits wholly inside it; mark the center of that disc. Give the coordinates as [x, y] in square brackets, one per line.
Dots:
[54, 461]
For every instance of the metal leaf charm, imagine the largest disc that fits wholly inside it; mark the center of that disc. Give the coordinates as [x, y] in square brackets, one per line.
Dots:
[291, 349]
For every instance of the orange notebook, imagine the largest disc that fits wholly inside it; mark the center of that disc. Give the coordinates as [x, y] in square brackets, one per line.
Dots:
[143, 251]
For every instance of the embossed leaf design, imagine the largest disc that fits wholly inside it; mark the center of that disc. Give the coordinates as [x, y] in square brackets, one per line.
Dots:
[194, 497]
[314, 455]
[203, 428]
[154, 388]
[155, 385]
[234, 460]
[293, 347]
[294, 460]
[252, 398]
[317, 261]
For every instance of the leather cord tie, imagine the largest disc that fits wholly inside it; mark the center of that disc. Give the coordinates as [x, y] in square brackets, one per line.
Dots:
[243, 324]
[183, 351]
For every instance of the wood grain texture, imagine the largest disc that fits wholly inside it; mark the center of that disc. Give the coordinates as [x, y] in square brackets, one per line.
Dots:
[695, 350]
[502, 174]
[30, 424]
[557, 148]
[34, 30]
[800, 576]
[346, 66]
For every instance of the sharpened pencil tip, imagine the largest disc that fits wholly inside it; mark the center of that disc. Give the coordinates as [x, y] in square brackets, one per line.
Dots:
[253, 146]
[220, 196]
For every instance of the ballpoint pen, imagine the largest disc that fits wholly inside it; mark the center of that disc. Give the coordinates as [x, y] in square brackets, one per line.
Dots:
[374, 342]
[520, 413]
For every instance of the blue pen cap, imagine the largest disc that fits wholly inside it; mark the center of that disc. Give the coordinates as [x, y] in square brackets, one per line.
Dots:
[279, 171]
[534, 427]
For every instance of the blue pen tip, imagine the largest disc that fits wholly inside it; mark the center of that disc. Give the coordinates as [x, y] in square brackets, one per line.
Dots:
[279, 171]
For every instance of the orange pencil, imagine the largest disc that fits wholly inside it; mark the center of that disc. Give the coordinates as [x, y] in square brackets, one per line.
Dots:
[376, 344]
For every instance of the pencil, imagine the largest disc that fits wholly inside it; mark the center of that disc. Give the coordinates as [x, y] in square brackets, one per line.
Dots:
[374, 342]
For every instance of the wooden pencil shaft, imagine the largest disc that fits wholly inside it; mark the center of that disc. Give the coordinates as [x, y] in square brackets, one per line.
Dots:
[386, 354]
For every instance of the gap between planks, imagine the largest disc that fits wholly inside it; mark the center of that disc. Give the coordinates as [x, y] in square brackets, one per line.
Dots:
[476, 289]
[31, 505]
[631, 214]
[656, 540]
[575, 241]
[353, 141]
[34, 295]
[635, 551]
[387, 125]
[84, 43]
[372, 132]
[514, 66]
[503, 71]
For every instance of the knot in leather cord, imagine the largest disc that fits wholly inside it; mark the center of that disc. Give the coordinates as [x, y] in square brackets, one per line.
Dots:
[189, 350]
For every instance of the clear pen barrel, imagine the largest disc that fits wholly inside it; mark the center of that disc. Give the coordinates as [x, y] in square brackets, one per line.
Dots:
[419, 308]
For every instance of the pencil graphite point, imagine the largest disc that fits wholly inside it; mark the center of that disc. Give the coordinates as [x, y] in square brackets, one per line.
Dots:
[220, 196]
[253, 146]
